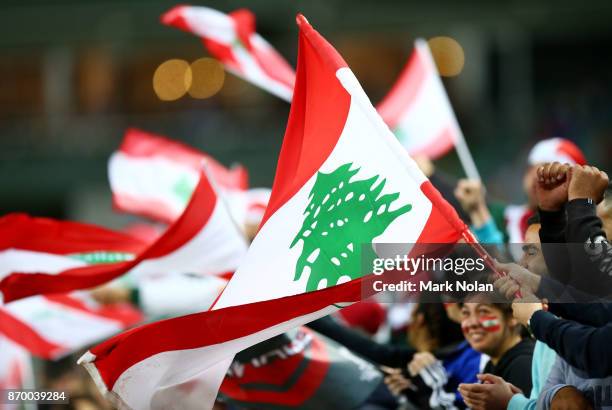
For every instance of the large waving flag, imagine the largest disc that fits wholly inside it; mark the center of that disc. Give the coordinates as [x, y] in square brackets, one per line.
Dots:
[153, 176]
[342, 181]
[231, 38]
[42, 256]
[53, 326]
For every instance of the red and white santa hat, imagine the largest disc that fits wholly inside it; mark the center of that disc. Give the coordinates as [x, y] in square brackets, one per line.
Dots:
[556, 150]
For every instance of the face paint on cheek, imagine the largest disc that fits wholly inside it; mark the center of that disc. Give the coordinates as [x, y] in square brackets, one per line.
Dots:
[490, 323]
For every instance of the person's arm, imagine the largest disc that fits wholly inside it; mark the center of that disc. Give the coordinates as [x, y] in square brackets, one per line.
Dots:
[387, 355]
[520, 402]
[590, 314]
[555, 382]
[551, 188]
[585, 347]
[553, 224]
[589, 250]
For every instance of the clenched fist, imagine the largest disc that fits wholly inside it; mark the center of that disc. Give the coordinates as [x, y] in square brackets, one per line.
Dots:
[552, 186]
[587, 182]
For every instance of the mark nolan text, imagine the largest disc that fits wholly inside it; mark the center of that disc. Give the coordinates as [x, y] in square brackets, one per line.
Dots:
[431, 286]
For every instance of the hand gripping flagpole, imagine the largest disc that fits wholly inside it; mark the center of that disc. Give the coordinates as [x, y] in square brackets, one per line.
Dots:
[469, 237]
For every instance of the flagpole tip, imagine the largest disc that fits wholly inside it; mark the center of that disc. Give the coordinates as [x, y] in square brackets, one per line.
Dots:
[301, 20]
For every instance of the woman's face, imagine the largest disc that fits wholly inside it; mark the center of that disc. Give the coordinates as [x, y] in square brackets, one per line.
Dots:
[483, 326]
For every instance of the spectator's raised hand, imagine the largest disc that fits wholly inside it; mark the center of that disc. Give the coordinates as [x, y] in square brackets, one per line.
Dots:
[552, 185]
[470, 194]
[587, 182]
[516, 277]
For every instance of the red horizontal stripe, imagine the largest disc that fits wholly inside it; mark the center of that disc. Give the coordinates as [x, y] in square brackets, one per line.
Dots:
[25, 336]
[21, 231]
[149, 208]
[123, 313]
[117, 354]
[141, 144]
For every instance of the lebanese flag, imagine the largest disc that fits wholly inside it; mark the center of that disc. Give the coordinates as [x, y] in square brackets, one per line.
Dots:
[44, 256]
[50, 327]
[153, 176]
[417, 108]
[231, 38]
[342, 181]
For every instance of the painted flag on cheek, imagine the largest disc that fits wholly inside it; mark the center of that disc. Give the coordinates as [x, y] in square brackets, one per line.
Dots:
[343, 182]
[490, 323]
[231, 38]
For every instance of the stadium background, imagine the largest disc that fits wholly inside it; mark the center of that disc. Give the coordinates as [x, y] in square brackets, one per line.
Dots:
[75, 74]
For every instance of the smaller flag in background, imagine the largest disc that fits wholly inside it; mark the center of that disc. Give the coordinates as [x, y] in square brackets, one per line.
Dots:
[417, 108]
[231, 38]
[153, 176]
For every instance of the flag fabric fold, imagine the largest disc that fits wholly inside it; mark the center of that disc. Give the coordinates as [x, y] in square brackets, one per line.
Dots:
[231, 38]
[343, 182]
[41, 256]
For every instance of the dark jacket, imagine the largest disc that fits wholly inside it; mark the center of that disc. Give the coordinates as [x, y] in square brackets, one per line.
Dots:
[582, 339]
[515, 366]
[576, 252]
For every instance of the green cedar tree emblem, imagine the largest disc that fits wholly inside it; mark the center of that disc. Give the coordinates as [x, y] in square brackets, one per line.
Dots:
[99, 257]
[341, 216]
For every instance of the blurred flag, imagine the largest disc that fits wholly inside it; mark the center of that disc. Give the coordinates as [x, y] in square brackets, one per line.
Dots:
[15, 369]
[417, 109]
[50, 327]
[231, 38]
[154, 176]
[342, 181]
[42, 256]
